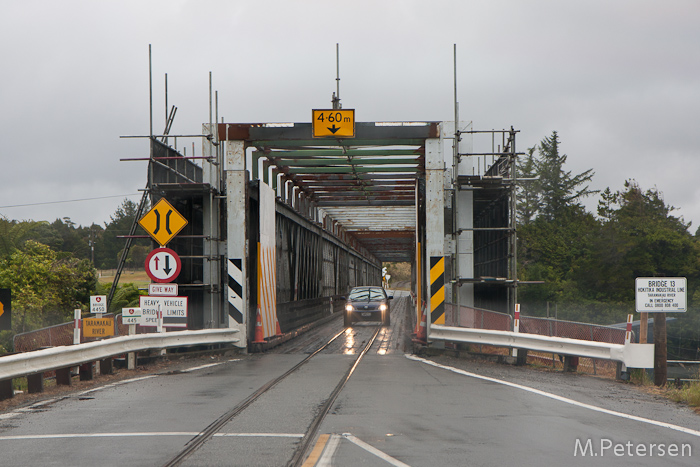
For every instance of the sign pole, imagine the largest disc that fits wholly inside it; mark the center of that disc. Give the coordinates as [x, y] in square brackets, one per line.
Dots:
[516, 324]
[76, 328]
[131, 356]
[660, 352]
[159, 326]
[643, 327]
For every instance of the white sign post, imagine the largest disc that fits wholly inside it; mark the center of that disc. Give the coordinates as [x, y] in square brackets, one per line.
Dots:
[661, 294]
[76, 327]
[131, 316]
[516, 324]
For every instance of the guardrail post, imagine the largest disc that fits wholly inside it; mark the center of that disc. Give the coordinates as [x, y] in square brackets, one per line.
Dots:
[35, 383]
[63, 377]
[570, 363]
[86, 371]
[106, 366]
[6, 390]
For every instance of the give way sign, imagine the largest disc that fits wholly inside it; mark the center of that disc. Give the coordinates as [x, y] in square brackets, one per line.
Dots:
[163, 265]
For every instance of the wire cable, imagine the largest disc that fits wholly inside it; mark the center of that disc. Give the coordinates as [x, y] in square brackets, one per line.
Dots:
[67, 201]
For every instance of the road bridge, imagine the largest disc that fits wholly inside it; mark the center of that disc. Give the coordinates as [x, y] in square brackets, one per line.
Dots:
[283, 224]
[349, 396]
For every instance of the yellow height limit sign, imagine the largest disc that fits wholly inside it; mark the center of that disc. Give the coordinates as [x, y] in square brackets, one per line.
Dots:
[334, 123]
[163, 222]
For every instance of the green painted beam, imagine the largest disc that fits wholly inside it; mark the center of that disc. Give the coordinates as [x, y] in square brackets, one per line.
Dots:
[340, 161]
[349, 170]
[330, 143]
[303, 153]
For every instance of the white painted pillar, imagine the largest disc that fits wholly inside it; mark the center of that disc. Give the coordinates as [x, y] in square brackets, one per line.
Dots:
[211, 306]
[237, 238]
[435, 231]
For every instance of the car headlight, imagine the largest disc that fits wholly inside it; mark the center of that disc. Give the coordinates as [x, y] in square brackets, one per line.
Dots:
[382, 307]
[348, 307]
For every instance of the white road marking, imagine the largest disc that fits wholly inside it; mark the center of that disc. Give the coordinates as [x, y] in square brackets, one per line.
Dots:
[111, 385]
[326, 459]
[149, 434]
[369, 448]
[9, 415]
[331, 446]
[559, 398]
[29, 408]
[208, 365]
[259, 435]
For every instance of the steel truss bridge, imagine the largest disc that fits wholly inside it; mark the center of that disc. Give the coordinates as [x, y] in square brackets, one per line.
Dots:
[283, 224]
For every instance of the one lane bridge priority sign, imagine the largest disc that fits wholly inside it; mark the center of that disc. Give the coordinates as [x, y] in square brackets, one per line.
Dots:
[163, 222]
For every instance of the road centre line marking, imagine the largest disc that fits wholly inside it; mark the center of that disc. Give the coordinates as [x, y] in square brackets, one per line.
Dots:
[327, 445]
[318, 449]
[559, 398]
[147, 434]
[326, 459]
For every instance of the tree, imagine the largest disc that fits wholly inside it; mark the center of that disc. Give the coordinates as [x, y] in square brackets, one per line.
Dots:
[637, 237]
[126, 296]
[555, 231]
[13, 234]
[558, 189]
[120, 225]
[528, 194]
[45, 287]
[62, 235]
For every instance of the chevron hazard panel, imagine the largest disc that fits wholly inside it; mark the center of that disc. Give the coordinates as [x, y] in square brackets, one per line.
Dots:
[437, 289]
[235, 289]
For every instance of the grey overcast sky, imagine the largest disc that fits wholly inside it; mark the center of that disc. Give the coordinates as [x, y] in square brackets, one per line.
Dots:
[618, 80]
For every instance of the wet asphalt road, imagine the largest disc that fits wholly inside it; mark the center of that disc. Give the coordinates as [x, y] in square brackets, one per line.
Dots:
[394, 410]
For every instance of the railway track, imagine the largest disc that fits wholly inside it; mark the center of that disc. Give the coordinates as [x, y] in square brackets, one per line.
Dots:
[307, 441]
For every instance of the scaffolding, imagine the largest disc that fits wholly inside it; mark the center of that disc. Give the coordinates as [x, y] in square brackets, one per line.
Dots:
[493, 230]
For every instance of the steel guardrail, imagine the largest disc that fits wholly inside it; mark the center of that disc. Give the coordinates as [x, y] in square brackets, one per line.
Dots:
[39, 361]
[632, 355]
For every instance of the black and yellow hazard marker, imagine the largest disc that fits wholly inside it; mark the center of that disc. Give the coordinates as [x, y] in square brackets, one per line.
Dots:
[437, 289]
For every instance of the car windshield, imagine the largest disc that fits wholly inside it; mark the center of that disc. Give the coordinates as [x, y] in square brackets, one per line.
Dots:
[366, 294]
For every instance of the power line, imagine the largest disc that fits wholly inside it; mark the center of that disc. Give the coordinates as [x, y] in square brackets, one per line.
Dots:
[67, 201]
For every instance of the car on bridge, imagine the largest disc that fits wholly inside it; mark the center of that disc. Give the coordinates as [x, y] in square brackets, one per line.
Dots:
[367, 304]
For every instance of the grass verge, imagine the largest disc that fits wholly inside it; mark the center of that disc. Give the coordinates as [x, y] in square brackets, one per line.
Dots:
[688, 393]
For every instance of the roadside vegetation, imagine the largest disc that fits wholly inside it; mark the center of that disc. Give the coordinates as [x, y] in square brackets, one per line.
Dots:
[688, 393]
[589, 261]
[51, 268]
